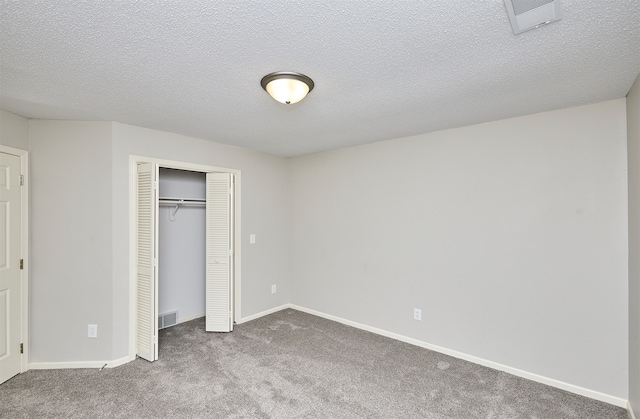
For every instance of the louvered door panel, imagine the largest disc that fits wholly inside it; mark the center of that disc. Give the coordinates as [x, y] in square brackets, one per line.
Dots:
[146, 320]
[218, 238]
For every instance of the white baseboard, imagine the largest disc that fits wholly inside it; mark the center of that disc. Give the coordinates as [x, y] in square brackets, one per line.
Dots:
[630, 410]
[263, 313]
[617, 401]
[81, 364]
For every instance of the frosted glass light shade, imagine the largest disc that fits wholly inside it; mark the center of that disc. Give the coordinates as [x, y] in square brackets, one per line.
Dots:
[287, 91]
[287, 88]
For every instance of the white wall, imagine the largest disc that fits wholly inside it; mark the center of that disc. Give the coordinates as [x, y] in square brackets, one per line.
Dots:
[80, 231]
[633, 162]
[14, 130]
[182, 245]
[510, 236]
[265, 212]
[71, 248]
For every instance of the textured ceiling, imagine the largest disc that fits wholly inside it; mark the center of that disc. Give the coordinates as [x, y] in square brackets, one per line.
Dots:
[383, 69]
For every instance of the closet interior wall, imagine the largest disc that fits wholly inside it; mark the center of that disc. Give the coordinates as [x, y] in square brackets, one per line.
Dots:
[181, 245]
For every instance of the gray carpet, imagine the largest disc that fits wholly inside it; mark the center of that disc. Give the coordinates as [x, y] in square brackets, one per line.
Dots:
[290, 365]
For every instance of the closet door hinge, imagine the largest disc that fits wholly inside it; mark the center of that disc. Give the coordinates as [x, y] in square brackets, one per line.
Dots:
[22, 348]
[21, 263]
[21, 180]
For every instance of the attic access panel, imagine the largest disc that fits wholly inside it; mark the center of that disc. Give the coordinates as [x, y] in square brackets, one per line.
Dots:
[531, 14]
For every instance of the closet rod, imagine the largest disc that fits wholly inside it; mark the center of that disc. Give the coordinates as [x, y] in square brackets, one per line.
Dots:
[182, 201]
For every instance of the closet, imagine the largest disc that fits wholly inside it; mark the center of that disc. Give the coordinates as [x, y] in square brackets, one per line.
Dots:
[181, 246]
[185, 248]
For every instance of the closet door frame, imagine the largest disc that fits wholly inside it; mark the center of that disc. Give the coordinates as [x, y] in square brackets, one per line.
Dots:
[235, 285]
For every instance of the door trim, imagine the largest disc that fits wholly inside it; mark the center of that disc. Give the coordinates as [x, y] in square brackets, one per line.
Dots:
[172, 164]
[24, 250]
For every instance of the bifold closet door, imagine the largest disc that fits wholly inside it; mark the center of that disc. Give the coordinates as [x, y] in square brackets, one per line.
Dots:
[147, 271]
[219, 239]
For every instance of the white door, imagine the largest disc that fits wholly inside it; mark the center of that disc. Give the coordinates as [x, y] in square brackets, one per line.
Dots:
[219, 234]
[147, 262]
[10, 287]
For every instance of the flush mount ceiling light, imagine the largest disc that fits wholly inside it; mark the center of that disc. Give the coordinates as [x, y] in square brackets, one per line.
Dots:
[531, 14]
[287, 87]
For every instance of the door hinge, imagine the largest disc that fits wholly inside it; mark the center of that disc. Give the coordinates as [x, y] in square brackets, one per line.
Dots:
[22, 348]
[21, 263]
[21, 180]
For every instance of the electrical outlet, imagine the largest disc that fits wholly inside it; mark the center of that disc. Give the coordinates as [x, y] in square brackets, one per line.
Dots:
[417, 314]
[92, 331]
[273, 289]
[252, 238]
